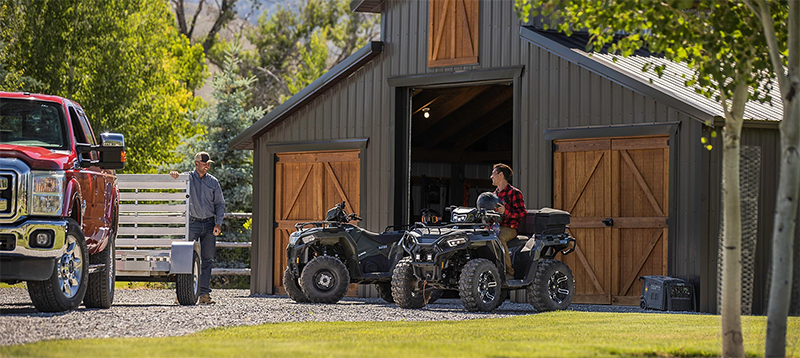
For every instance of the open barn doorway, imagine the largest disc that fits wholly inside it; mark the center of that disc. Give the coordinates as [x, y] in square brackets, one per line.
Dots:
[457, 134]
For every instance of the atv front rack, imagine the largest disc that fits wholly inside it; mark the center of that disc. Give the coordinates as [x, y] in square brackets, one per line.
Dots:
[300, 226]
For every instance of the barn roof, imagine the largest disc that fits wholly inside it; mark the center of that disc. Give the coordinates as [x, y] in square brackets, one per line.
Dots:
[373, 6]
[627, 71]
[244, 141]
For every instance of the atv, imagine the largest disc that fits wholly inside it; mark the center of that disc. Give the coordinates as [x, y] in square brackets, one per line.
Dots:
[466, 255]
[324, 257]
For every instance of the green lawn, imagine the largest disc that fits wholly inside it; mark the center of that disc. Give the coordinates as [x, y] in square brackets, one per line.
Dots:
[555, 334]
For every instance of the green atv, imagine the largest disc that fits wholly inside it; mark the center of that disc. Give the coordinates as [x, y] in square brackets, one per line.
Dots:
[324, 257]
[466, 255]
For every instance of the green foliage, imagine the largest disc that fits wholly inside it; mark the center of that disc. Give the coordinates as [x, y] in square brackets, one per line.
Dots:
[228, 117]
[123, 61]
[553, 334]
[720, 40]
[295, 46]
[11, 77]
[313, 62]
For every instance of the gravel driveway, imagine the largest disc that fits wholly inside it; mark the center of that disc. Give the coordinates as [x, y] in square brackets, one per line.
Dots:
[153, 313]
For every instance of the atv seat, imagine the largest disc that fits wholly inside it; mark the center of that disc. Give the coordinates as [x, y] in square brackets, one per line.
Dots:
[385, 238]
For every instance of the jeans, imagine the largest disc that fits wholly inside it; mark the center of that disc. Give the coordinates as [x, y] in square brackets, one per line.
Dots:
[203, 230]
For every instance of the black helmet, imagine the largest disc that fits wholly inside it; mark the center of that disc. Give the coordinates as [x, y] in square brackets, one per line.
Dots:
[487, 201]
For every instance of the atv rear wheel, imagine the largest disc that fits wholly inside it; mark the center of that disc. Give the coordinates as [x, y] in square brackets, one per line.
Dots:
[324, 280]
[385, 291]
[292, 287]
[553, 286]
[405, 286]
[479, 286]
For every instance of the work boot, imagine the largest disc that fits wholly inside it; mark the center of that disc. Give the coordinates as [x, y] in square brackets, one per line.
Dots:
[510, 272]
[206, 300]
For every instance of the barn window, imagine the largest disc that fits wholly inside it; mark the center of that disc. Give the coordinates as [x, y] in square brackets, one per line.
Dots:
[453, 33]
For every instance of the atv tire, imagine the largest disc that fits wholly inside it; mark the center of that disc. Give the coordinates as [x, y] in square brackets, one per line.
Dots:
[66, 287]
[405, 288]
[100, 292]
[292, 287]
[324, 280]
[553, 286]
[385, 291]
[479, 286]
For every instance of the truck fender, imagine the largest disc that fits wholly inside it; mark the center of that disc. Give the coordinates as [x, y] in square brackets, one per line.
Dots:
[72, 195]
[182, 256]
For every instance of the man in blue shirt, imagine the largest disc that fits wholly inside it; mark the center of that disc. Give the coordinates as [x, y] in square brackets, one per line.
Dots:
[206, 211]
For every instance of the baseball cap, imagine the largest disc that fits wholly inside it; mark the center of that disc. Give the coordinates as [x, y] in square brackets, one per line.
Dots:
[203, 157]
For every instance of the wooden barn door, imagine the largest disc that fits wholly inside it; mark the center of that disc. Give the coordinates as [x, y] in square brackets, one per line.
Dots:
[617, 191]
[307, 185]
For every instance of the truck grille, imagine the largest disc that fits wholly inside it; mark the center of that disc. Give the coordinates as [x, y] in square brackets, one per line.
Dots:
[8, 195]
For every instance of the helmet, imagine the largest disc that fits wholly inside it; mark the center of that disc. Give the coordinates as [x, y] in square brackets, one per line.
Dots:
[487, 201]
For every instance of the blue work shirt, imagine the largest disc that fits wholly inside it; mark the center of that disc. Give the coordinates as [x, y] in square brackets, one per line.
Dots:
[205, 197]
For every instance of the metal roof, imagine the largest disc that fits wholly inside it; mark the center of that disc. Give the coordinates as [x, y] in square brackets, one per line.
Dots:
[244, 141]
[671, 83]
[373, 6]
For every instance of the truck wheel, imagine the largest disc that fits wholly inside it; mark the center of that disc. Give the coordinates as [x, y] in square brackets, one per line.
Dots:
[324, 280]
[553, 286]
[187, 285]
[292, 287]
[405, 286]
[479, 286]
[65, 288]
[385, 291]
[100, 293]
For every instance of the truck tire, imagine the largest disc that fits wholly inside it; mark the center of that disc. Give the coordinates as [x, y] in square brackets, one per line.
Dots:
[405, 290]
[324, 280]
[66, 287]
[187, 285]
[292, 287]
[553, 286]
[385, 291]
[479, 286]
[100, 292]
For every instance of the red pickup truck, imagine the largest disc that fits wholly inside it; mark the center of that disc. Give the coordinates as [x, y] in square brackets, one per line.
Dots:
[58, 202]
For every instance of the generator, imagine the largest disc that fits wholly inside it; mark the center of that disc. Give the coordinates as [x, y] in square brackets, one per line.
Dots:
[667, 294]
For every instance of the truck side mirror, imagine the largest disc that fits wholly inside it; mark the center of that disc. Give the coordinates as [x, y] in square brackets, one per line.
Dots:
[112, 151]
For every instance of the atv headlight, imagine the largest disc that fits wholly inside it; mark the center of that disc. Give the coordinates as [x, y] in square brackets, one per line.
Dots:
[47, 193]
[455, 242]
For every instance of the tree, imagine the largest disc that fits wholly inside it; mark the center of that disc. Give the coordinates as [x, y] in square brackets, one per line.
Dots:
[720, 42]
[227, 118]
[280, 36]
[124, 61]
[781, 24]
[223, 13]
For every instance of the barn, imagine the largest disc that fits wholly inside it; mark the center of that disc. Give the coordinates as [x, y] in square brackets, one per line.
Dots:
[417, 119]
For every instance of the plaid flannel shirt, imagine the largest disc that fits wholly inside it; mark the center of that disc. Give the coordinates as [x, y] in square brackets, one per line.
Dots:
[512, 199]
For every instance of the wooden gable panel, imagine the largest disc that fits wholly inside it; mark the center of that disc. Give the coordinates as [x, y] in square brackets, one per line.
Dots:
[453, 32]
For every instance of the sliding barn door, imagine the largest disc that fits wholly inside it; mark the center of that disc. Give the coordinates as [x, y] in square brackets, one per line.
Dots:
[307, 184]
[617, 191]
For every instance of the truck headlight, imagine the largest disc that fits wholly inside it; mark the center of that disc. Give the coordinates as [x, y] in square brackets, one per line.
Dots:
[47, 193]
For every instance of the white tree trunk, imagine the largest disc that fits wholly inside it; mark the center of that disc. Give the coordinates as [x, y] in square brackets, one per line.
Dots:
[731, 310]
[789, 178]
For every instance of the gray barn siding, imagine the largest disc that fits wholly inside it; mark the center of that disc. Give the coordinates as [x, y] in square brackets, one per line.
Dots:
[552, 93]
[769, 141]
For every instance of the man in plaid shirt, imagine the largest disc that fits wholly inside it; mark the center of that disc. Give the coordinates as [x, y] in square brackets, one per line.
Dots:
[512, 207]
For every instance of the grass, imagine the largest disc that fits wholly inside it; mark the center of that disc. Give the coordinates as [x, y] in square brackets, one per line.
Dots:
[555, 334]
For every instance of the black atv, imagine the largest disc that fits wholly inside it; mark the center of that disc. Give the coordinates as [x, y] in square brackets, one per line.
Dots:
[466, 255]
[324, 257]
